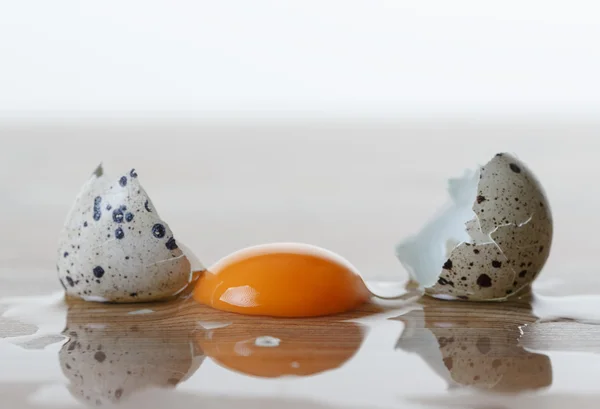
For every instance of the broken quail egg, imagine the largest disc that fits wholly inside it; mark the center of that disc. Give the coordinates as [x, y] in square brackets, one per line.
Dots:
[490, 242]
[114, 247]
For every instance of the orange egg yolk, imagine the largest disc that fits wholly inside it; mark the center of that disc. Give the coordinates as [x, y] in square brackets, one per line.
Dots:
[282, 280]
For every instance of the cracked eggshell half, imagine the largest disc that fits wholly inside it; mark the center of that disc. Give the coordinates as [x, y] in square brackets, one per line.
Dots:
[490, 242]
[115, 248]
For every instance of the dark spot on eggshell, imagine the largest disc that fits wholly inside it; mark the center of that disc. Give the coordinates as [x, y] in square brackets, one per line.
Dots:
[100, 356]
[133, 294]
[108, 207]
[480, 199]
[541, 249]
[171, 244]
[119, 234]
[117, 216]
[98, 271]
[123, 181]
[496, 264]
[147, 206]
[523, 273]
[133, 173]
[158, 231]
[484, 280]
[85, 224]
[119, 392]
[65, 254]
[70, 281]
[515, 168]
[483, 344]
[448, 362]
[475, 251]
[129, 217]
[447, 265]
[442, 281]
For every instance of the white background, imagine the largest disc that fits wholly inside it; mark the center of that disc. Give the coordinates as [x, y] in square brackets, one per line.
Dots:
[304, 58]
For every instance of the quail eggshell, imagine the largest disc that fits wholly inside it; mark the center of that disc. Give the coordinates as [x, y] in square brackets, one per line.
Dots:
[114, 247]
[500, 247]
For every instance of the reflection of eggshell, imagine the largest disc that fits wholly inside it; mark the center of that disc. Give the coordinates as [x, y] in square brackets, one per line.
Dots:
[476, 348]
[113, 355]
[114, 246]
[491, 361]
[500, 238]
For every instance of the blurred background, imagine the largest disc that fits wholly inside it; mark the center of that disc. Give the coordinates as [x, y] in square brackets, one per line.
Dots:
[336, 123]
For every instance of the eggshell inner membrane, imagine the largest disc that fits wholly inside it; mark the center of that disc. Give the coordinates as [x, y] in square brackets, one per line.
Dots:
[490, 242]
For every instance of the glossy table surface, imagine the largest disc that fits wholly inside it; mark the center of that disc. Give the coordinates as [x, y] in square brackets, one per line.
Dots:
[353, 188]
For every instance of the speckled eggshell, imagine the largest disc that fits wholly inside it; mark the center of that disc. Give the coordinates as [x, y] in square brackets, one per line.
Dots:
[511, 236]
[114, 246]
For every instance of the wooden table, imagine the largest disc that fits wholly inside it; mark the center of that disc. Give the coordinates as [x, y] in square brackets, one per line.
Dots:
[353, 188]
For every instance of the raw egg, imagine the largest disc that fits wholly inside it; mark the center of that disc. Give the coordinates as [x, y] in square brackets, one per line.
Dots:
[282, 280]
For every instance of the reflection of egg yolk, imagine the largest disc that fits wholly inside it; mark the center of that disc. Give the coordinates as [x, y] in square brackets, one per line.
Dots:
[284, 280]
[287, 350]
